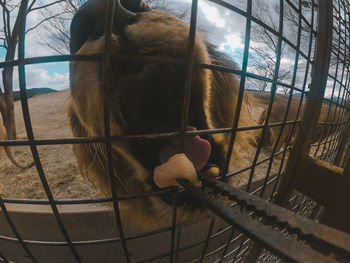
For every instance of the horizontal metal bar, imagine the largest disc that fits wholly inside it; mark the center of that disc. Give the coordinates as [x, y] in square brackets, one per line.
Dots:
[250, 75]
[87, 201]
[259, 162]
[77, 140]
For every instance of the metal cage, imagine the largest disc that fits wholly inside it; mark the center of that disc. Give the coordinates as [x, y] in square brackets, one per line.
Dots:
[243, 234]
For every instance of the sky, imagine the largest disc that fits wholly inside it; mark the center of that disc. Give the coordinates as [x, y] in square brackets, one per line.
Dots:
[220, 26]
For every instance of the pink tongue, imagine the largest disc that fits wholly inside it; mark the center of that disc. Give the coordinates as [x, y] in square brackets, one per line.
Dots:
[197, 150]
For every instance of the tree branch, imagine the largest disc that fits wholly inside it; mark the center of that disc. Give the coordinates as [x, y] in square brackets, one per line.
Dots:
[41, 22]
[44, 6]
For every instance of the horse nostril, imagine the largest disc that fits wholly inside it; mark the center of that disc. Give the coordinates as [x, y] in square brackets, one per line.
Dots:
[127, 11]
[131, 5]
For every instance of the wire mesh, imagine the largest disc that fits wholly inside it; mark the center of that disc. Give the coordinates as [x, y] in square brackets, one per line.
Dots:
[327, 146]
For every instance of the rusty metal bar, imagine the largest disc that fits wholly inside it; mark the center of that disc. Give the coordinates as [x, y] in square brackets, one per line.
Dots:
[288, 250]
[305, 228]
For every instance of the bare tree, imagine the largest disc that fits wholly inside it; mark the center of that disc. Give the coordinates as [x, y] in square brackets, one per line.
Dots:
[56, 31]
[264, 47]
[13, 11]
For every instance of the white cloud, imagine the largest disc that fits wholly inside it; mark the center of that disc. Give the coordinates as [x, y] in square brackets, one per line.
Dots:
[37, 77]
[212, 14]
[234, 40]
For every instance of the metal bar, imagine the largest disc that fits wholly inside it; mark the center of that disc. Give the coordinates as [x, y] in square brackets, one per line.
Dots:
[344, 133]
[189, 70]
[244, 241]
[236, 249]
[261, 23]
[300, 102]
[258, 163]
[339, 114]
[288, 103]
[173, 226]
[88, 57]
[241, 92]
[106, 80]
[248, 74]
[210, 230]
[30, 135]
[314, 102]
[228, 243]
[332, 96]
[289, 250]
[77, 140]
[18, 238]
[283, 218]
[86, 201]
[272, 96]
[244, 252]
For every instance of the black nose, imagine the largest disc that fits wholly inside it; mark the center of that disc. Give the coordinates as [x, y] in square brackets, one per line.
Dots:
[132, 5]
[124, 13]
[88, 22]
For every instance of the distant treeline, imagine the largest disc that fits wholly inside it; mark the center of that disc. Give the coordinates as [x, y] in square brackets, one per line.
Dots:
[33, 92]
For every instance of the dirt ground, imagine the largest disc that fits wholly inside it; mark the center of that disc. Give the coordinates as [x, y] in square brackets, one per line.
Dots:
[49, 120]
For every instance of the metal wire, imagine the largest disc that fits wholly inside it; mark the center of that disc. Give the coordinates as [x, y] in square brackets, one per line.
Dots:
[30, 134]
[238, 244]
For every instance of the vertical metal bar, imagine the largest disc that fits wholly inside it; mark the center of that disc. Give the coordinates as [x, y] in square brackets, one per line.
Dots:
[338, 129]
[256, 250]
[106, 74]
[332, 98]
[272, 96]
[178, 244]
[314, 101]
[30, 134]
[241, 91]
[288, 103]
[301, 99]
[227, 245]
[15, 231]
[189, 70]
[346, 128]
[173, 226]
[210, 231]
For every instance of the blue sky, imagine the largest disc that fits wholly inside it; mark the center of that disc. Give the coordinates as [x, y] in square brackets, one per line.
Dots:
[219, 26]
[58, 67]
[2, 54]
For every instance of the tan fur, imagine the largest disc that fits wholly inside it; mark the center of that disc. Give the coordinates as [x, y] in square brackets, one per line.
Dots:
[279, 107]
[154, 31]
